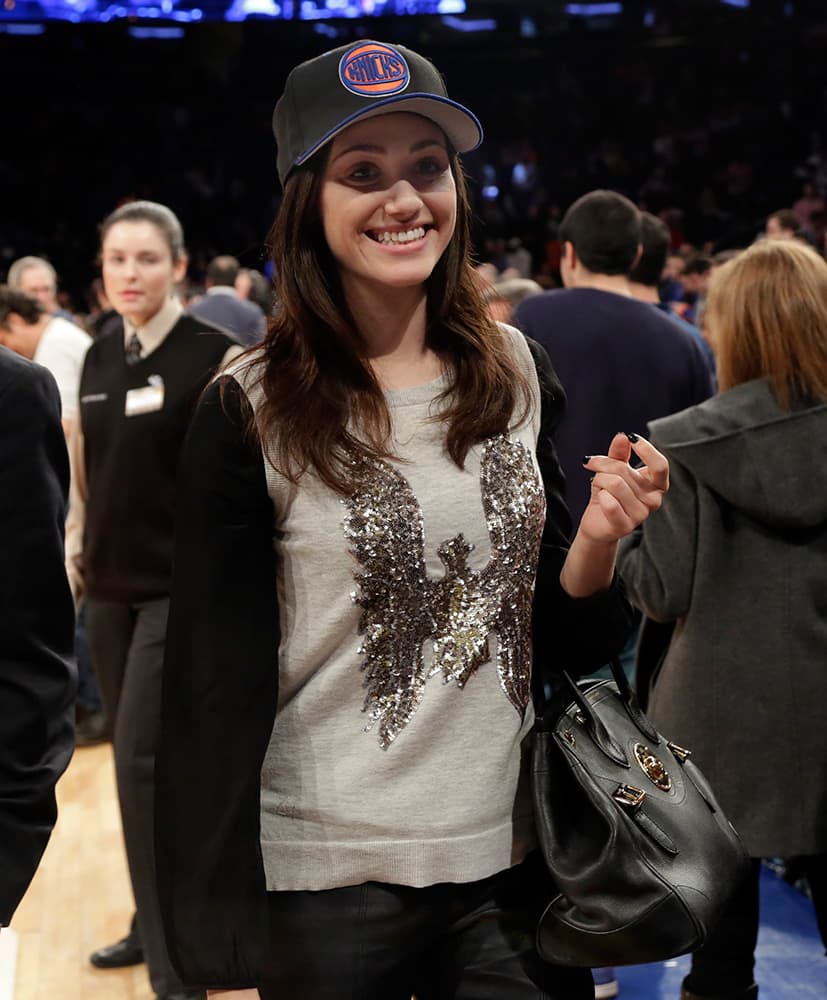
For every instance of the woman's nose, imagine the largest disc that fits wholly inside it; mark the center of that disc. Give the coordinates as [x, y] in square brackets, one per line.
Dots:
[403, 201]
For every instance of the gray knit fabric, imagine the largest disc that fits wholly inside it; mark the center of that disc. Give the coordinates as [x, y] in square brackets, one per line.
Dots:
[397, 753]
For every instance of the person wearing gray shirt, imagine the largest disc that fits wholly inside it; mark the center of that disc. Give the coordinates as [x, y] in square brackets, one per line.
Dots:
[373, 576]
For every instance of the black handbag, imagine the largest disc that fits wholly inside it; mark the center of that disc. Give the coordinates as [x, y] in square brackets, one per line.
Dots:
[642, 857]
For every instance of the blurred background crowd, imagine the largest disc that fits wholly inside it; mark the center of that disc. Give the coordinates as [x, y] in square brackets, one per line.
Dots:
[711, 117]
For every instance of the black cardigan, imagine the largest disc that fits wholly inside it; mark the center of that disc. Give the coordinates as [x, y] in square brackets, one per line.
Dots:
[221, 678]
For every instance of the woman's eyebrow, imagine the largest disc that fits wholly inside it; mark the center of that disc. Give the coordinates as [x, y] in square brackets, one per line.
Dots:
[367, 147]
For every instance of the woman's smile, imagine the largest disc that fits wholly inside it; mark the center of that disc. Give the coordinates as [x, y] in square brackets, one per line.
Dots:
[401, 241]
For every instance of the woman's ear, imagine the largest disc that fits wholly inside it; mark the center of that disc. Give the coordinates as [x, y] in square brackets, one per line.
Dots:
[180, 269]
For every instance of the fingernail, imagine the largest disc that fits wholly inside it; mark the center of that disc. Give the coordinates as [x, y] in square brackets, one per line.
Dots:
[631, 437]
[586, 459]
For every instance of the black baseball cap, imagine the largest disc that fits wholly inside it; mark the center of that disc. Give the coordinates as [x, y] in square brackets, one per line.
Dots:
[324, 95]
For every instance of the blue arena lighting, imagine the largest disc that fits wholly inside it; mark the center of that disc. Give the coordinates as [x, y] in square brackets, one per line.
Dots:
[480, 24]
[593, 9]
[22, 29]
[319, 11]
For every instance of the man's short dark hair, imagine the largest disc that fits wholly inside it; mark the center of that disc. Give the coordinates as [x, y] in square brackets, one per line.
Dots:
[223, 270]
[787, 219]
[654, 240]
[14, 301]
[699, 263]
[604, 229]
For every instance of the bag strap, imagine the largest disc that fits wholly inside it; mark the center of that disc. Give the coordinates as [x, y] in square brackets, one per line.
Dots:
[601, 736]
[630, 703]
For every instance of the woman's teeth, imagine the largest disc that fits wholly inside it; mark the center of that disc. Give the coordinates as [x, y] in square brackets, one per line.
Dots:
[407, 237]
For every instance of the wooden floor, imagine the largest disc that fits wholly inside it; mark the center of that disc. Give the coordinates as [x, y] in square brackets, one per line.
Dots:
[80, 898]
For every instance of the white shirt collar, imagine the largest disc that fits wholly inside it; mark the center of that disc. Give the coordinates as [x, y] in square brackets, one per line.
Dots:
[154, 332]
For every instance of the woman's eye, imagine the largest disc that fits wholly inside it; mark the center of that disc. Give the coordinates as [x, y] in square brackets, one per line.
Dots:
[363, 172]
[431, 167]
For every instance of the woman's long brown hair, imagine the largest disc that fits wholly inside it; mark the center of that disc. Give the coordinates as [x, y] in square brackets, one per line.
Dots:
[323, 409]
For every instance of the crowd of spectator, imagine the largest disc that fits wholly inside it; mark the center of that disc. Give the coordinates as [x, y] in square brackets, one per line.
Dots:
[711, 132]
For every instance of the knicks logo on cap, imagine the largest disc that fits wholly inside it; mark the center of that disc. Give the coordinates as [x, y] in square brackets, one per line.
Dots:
[371, 69]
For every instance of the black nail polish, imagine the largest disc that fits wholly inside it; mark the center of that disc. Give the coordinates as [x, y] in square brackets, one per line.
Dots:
[586, 459]
[631, 437]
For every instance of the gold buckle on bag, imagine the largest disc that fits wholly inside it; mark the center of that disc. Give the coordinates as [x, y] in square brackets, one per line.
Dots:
[629, 796]
[679, 753]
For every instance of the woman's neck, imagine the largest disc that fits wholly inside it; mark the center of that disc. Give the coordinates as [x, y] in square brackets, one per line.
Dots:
[393, 328]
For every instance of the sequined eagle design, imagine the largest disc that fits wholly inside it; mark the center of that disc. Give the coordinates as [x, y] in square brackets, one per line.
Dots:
[402, 607]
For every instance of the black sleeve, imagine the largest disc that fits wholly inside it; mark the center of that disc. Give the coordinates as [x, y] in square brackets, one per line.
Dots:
[219, 701]
[579, 635]
[37, 671]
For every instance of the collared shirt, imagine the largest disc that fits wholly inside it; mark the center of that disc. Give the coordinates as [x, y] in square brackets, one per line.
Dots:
[155, 331]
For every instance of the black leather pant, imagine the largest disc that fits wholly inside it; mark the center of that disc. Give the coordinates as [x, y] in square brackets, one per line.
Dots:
[443, 942]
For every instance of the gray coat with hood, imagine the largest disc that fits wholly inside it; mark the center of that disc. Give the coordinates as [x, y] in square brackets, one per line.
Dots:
[737, 556]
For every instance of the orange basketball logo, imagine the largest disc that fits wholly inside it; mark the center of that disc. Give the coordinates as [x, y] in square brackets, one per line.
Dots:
[374, 70]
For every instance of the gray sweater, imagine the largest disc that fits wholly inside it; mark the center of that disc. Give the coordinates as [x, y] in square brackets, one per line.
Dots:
[405, 661]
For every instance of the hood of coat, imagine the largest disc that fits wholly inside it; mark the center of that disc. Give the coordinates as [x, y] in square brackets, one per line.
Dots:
[767, 462]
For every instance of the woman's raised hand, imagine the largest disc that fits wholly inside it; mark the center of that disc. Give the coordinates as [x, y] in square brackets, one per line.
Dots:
[623, 497]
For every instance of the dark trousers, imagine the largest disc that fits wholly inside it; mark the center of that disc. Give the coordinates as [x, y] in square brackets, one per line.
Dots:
[813, 867]
[726, 963]
[127, 646]
[444, 942]
[88, 696]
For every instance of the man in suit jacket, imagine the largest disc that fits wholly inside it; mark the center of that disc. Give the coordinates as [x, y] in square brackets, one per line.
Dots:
[223, 305]
[37, 673]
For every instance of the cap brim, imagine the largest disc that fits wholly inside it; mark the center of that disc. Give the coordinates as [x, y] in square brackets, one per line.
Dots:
[461, 126]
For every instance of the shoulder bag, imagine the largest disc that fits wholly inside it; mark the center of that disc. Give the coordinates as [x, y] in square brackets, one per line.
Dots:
[642, 856]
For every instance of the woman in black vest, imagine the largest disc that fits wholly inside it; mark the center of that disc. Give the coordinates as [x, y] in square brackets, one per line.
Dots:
[138, 389]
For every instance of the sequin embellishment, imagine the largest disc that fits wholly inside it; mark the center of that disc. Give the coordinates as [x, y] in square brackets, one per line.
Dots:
[402, 607]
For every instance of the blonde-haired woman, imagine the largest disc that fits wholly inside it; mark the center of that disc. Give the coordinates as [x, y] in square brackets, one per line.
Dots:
[737, 557]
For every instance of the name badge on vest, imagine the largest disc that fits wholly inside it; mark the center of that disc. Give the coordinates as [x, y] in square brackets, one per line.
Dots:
[148, 399]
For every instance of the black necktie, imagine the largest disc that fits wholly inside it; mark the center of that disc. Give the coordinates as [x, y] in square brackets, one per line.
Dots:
[133, 350]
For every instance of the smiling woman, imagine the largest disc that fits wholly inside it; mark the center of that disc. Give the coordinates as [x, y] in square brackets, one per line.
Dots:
[365, 503]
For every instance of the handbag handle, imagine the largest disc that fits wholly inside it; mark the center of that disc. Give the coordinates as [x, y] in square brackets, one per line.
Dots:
[630, 703]
[600, 734]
